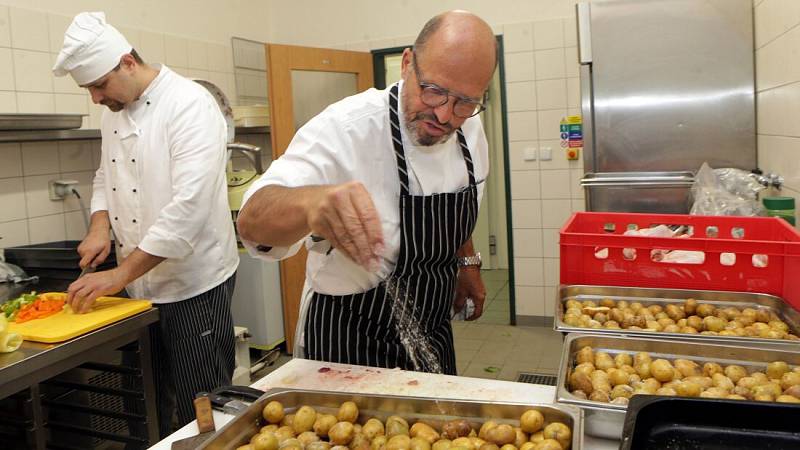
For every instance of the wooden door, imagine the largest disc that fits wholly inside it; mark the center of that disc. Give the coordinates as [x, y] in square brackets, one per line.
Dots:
[286, 63]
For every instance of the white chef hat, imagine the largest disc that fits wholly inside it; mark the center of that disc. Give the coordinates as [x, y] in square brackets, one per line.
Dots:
[92, 48]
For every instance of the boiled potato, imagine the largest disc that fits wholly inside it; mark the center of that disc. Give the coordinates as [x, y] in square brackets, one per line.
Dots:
[424, 431]
[688, 389]
[245, 447]
[787, 399]
[600, 381]
[690, 306]
[348, 412]
[462, 442]
[776, 369]
[584, 355]
[705, 310]
[587, 368]
[264, 441]
[695, 322]
[489, 424]
[764, 398]
[637, 321]
[397, 442]
[304, 419]
[618, 376]
[396, 425]
[622, 390]
[662, 370]
[372, 428]
[603, 361]
[687, 368]
[273, 412]
[675, 312]
[285, 432]
[527, 446]
[342, 433]
[489, 446]
[709, 369]
[559, 432]
[722, 382]
[318, 445]
[456, 428]
[418, 443]
[600, 396]
[581, 382]
[790, 379]
[713, 323]
[501, 435]
[324, 423]
[531, 421]
[794, 391]
[288, 420]
[269, 428]
[735, 373]
[643, 369]
[521, 437]
[548, 444]
[308, 437]
[666, 391]
[441, 444]
[291, 444]
[714, 392]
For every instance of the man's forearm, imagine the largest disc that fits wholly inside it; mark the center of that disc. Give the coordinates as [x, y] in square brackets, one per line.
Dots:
[137, 264]
[466, 250]
[100, 222]
[277, 216]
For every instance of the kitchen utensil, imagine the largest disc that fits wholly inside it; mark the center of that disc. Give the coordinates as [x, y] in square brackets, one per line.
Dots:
[87, 269]
[205, 425]
[662, 423]
[63, 326]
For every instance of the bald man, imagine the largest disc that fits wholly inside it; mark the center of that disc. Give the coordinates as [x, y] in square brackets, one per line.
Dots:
[383, 188]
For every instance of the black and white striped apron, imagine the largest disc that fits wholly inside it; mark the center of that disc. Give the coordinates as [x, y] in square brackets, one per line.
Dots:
[360, 328]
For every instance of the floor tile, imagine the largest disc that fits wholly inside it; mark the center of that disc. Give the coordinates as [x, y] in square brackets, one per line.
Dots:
[478, 370]
[468, 344]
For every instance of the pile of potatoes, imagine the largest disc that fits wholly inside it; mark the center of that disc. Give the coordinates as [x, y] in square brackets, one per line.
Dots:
[308, 429]
[691, 317]
[599, 377]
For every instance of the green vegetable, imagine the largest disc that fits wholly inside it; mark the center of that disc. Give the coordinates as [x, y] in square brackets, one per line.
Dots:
[12, 307]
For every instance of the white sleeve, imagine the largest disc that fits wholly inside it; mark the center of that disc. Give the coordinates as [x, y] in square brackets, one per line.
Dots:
[321, 153]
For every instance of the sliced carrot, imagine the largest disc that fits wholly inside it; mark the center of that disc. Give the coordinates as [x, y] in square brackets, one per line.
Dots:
[40, 308]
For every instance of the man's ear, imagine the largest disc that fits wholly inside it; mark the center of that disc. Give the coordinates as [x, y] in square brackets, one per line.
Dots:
[128, 61]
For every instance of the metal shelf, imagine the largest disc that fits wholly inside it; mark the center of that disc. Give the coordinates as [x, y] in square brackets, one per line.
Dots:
[252, 130]
[48, 135]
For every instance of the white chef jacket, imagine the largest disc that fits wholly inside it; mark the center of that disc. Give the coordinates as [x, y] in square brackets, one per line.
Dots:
[162, 181]
[351, 140]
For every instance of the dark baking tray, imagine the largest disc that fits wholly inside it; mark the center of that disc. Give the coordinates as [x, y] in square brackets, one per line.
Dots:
[52, 255]
[675, 423]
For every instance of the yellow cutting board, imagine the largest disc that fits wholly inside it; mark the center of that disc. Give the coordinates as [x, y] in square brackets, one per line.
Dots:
[63, 326]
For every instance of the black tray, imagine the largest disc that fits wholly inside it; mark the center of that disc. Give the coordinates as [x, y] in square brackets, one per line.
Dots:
[675, 423]
[52, 255]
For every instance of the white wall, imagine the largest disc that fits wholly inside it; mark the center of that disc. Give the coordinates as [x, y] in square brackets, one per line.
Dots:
[777, 30]
[190, 36]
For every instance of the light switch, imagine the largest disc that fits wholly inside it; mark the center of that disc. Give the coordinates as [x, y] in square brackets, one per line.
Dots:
[545, 154]
[529, 154]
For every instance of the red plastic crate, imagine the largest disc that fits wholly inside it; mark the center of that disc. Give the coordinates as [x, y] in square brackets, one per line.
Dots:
[587, 233]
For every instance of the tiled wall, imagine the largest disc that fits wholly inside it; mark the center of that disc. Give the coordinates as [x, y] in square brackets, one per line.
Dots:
[777, 35]
[29, 43]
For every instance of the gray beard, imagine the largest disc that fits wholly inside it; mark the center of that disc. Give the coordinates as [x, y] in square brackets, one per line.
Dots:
[415, 133]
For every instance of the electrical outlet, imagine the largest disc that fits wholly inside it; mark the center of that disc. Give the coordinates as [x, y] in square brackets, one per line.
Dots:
[529, 154]
[60, 188]
[545, 154]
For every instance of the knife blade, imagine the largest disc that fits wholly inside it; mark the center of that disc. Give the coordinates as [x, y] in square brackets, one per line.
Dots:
[87, 269]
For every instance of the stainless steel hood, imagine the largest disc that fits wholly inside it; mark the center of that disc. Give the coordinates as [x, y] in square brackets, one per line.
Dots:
[43, 127]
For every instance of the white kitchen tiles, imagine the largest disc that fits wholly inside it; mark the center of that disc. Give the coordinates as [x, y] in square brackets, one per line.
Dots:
[550, 123]
[549, 301]
[72, 104]
[5, 29]
[197, 55]
[12, 197]
[39, 158]
[549, 64]
[573, 92]
[551, 270]
[773, 18]
[361, 46]
[518, 37]
[525, 185]
[57, 25]
[75, 225]
[780, 154]
[176, 49]
[75, 156]
[95, 114]
[519, 67]
[152, 47]
[6, 73]
[67, 85]
[578, 205]
[33, 71]
[29, 29]
[570, 32]
[521, 96]
[132, 35]
[530, 300]
[778, 110]
[548, 34]
[47, 229]
[519, 152]
[37, 197]
[527, 214]
[550, 242]
[571, 64]
[10, 160]
[575, 175]
[13, 234]
[217, 60]
[777, 61]
[35, 102]
[527, 243]
[555, 185]
[551, 94]
[84, 188]
[558, 211]
[200, 74]
[558, 154]
[529, 271]
[8, 102]
[522, 126]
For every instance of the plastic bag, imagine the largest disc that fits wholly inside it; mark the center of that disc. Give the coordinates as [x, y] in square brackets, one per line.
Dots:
[725, 192]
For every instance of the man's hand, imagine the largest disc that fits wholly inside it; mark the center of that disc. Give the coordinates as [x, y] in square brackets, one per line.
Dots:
[94, 249]
[470, 285]
[346, 216]
[83, 292]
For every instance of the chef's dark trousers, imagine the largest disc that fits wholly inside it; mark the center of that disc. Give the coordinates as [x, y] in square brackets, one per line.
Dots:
[192, 351]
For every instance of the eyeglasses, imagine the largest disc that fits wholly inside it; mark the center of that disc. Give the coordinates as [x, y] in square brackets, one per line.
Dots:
[435, 96]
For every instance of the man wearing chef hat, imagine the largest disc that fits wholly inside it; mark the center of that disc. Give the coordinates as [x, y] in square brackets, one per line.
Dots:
[161, 188]
[383, 188]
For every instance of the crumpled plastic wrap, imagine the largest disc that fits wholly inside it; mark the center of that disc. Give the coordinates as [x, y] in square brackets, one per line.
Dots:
[725, 192]
[9, 342]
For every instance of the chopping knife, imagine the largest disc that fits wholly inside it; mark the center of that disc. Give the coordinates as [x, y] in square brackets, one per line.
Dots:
[205, 425]
[87, 269]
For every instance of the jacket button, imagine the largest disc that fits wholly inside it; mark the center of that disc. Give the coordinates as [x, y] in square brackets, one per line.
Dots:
[115, 131]
[120, 245]
[114, 189]
[134, 220]
[133, 160]
[134, 190]
[113, 160]
[116, 218]
[148, 102]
